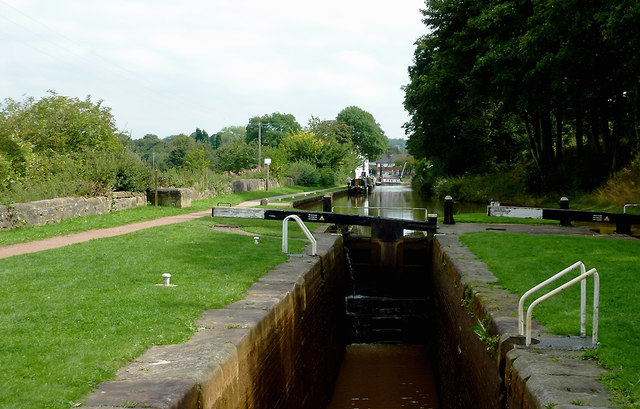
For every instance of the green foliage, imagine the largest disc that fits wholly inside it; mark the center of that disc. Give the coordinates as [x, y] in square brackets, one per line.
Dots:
[302, 146]
[303, 174]
[178, 149]
[368, 137]
[274, 127]
[61, 146]
[153, 151]
[482, 331]
[228, 135]
[58, 123]
[492, 78]
[237, 156]
[202, 180]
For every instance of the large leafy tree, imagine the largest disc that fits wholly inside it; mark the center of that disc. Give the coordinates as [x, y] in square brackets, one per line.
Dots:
[367, 135]
[272, 128]
[561, 74]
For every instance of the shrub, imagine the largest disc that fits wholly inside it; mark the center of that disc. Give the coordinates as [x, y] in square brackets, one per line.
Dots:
[303, 174]
[201, 180]
[327, 177]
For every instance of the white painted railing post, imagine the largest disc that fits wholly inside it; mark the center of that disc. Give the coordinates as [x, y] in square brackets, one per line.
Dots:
[285, 234]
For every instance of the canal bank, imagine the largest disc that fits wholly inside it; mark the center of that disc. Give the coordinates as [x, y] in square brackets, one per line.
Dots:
[469, 368]
[282, 346]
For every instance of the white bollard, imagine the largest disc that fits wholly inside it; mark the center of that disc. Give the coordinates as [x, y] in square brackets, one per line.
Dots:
[166, 278]
[256, 239]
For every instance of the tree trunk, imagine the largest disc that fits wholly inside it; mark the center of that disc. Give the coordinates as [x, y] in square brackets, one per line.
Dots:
[636, 124]
[559, 119]
[579, 133]
[532, 136]
[546, 140]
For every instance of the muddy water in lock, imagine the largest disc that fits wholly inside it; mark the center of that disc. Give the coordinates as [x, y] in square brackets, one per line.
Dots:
[385, 377]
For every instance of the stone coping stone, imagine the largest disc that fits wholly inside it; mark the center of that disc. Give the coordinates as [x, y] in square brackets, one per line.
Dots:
[542, 376]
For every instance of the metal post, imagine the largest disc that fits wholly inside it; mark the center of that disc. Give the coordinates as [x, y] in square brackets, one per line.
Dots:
[564, 205]
[448, 210]
[326, 203]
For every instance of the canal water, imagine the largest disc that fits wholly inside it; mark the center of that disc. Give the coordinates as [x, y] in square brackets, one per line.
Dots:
[386, 376]
[397, 201]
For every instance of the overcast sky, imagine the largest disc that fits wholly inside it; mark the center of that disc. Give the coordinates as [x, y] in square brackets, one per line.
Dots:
[166, 67]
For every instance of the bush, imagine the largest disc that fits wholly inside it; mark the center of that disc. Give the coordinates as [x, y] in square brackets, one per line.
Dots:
[303, 174]
[201, 180]
[112, 171]
[327, 177]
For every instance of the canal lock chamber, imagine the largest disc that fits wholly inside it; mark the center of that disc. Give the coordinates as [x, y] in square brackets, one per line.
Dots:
[409, 333]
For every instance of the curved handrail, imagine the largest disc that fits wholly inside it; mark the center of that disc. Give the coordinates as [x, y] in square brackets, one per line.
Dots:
[596, 302]
[305, 230]
[583, 297]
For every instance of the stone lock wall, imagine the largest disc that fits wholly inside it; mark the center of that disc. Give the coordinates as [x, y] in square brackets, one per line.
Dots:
[280, 347]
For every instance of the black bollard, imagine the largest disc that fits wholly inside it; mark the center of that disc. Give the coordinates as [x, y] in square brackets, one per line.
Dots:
[326, 203]
[564, 205]
[448, 210]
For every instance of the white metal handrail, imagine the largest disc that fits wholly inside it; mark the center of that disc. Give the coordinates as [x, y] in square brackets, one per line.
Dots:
[582, 279]
[624, 209]
[305, 230]
[583, 297]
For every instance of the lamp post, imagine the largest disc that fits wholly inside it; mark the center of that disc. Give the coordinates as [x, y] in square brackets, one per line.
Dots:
[267, 161]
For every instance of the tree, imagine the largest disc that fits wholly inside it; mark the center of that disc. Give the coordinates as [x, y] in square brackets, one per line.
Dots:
[331, 129]
[179, 147]
[273, 128]
[229, 134]
[237, 156]
[561, 75]
[61, 124]
[368, 137]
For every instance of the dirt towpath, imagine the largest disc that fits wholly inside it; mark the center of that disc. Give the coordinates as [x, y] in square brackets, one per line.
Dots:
[61, 241]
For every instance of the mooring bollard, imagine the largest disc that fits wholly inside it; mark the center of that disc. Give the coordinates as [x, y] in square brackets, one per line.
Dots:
[564, 205]
[448, 210]
[326, 203]
[166, 279]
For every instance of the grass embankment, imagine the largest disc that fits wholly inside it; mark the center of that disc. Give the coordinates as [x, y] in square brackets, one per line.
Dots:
[71, 316]
[522, 261]
[128, 216]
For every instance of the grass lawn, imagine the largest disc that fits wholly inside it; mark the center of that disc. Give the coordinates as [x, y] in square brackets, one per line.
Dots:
[71, 316]
[483, 218]
[522, 261]
[302, 196]
[128, 216]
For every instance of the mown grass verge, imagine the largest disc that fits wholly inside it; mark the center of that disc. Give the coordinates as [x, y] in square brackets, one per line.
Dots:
[522, 261]
[71, 316]
[483, 218]
[128, 216]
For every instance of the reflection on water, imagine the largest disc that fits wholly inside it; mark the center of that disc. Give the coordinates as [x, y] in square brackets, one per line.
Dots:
[397, 201]
[385, 377]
